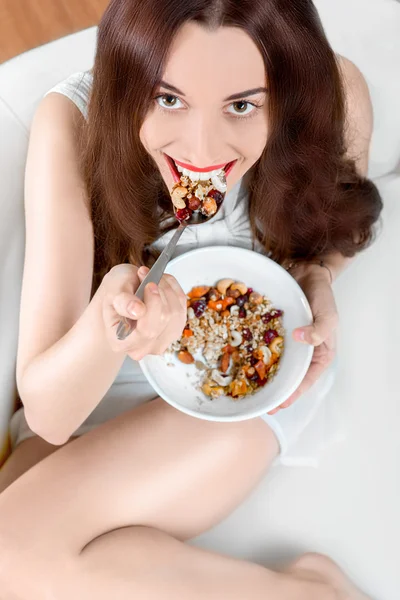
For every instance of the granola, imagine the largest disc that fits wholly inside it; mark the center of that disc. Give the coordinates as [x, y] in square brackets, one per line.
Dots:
[237, 335]
[195, 196]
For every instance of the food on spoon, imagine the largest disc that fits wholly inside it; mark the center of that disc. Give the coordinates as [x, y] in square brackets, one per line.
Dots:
[237, 333]
[201, 193]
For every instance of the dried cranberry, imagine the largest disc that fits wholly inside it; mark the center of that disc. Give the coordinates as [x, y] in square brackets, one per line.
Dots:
[250, 291]
[261, 382]
[218, 196]
[249, 348]
[183, 214]
[270, 335]
[253, 361]
[194, 203]
[242, 313]
[267, 318]
[276, 313]
[199, 306]
[241, 301]
[247, 335]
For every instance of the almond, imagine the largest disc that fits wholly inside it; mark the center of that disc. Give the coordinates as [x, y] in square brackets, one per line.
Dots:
[185, 357]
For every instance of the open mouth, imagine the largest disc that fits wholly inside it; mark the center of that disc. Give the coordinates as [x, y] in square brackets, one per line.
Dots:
[177, 172]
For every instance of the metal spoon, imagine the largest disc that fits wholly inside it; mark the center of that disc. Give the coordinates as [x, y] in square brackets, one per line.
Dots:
[126, 326]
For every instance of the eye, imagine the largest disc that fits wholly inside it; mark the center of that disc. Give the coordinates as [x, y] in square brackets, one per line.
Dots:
[242, 108]
[168, 101]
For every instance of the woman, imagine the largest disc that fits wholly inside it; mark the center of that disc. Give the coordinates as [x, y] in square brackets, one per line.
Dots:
[205, 82]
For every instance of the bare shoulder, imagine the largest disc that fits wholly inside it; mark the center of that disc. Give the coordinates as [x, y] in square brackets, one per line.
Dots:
[359, 113]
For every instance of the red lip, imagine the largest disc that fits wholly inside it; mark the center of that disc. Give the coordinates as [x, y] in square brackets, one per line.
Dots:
[197, 170]
[176, 175]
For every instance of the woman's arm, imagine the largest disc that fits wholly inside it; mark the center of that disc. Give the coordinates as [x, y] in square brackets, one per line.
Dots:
[64, 364]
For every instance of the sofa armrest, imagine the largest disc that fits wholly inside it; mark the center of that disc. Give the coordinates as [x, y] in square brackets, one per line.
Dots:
[13, 149]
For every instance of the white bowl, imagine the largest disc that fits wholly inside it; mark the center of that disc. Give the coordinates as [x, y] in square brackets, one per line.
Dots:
[176, 384]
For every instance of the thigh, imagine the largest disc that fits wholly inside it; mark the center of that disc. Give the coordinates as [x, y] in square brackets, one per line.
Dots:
[27, 454]
[153, 466]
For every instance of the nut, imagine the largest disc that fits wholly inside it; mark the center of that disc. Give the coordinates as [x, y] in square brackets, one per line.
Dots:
[255, 298]
[242, 287]
[179, 192]
[223, 285]
[194, 203]
[221, 379]
[266, 354]
[190, 313]
[276, 346]
[233, 293]
[177, 196]
[185, 357]
[209, 207]
[237, 339]
[225, 361]
[178, 202]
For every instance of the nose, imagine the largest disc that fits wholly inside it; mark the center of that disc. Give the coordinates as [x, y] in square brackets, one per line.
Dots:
[203, 141]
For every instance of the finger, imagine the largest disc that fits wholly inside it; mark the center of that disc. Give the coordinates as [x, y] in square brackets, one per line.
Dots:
[325, 317]
[325, 323]
[142, 272]
[176, 288]
[128, 305]
[176, 321]
[152, 324]
[322, 328]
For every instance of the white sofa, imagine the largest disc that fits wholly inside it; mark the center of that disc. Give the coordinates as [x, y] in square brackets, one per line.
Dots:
[348, 506]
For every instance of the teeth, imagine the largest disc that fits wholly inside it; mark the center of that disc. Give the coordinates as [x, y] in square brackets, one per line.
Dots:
[196, 176]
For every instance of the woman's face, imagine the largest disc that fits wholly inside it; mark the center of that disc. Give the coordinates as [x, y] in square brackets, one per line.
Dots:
[212, 105]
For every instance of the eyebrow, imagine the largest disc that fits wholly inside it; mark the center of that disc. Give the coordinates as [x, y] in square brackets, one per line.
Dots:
[237, 96]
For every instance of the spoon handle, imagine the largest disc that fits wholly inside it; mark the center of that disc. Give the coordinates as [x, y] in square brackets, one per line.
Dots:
[126, 326]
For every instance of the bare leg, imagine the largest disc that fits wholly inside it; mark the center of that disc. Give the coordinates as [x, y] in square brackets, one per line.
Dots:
[321, 568]
[151, 466]
[147, 564]
[27, 454]
[152, 565]
[139, 561]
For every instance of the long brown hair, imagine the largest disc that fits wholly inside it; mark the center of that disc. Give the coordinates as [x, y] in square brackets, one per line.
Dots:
[306, 198]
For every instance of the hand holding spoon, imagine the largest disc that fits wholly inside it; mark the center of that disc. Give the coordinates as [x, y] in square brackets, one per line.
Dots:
[191, 212]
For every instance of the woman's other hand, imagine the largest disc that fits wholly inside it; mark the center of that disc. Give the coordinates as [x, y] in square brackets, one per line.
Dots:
[316, 284]
[160, 318]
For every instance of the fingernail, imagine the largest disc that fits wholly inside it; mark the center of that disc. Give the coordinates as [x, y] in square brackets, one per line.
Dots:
[300, 335]
[132, 309]
[142, 271]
